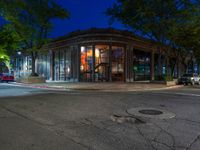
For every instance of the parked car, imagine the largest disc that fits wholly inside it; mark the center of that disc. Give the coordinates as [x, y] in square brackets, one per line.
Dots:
[6, 77]
[189, 79]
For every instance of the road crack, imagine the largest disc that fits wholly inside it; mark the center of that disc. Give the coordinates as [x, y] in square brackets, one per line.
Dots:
[25, 117]
[192, 143]
[188, 120]
[172, 147]
[146, 139]
[43, 124]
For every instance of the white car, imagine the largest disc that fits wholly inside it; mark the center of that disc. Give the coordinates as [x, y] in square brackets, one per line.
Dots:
[189, 79]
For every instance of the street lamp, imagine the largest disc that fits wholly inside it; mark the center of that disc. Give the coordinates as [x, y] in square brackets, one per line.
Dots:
[19, 53]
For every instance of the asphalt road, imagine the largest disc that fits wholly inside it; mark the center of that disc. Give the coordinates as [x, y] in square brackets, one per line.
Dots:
[8, 90]
[35, 119]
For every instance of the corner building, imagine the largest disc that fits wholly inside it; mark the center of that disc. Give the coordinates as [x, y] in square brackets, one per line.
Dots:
[96, 55]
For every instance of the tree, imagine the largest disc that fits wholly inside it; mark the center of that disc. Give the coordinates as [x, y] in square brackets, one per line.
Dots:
[148, 18]
[31, 20]
[157, 20]
[4, 62]
[185, 34]
[9, 42]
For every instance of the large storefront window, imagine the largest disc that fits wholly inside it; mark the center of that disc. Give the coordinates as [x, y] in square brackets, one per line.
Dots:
[68, 65]
[101, 63]
[108, 63]
[62, 65]
[117, 56]
[65, 65]
[22, 66]
[160, 70]
[43, 66]
[141, 65]
[86, 63]
[57, 66]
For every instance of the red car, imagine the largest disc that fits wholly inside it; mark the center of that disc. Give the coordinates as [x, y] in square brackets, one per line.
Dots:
[6, 77]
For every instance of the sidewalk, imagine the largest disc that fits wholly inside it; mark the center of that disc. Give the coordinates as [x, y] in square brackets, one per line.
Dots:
[110, 87]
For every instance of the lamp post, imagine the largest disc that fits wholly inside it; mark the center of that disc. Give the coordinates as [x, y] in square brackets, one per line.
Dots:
[19, 53]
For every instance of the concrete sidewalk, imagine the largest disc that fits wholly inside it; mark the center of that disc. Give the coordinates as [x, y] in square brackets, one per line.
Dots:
[110, 87]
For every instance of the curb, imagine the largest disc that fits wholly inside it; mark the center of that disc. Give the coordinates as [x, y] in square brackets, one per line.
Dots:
[61, 88]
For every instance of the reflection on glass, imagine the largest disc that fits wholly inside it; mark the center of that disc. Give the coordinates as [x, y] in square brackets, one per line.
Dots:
[117, 63]
[62, 66]
[141, 65]
[57, 66]
[43, 66]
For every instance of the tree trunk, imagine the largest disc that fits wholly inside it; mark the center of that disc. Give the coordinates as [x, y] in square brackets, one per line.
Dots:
[173, 63]
[192, 64]
[185, 68]
[173, 68]
[168, 69]
[33, 57]
[178, 69]
[159, 63]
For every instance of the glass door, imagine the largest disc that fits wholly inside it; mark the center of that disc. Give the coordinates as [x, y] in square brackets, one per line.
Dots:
[101, 63]
[141, 66]
[117, 59]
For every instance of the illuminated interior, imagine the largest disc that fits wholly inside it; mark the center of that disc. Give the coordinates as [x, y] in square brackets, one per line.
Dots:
[101, 62]
[86, 63]
[105, 68]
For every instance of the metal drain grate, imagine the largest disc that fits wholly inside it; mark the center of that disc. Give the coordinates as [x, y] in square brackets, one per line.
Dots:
[150, 112]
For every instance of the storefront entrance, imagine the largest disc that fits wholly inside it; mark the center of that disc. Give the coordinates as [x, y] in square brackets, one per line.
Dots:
[102, 63]
[117, 59]
[141, 65]
[108, 63]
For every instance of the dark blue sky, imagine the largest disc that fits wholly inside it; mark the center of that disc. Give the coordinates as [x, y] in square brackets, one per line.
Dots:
[84, 14]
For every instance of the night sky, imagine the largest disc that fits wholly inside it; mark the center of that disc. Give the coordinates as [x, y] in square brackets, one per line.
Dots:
[84, 14]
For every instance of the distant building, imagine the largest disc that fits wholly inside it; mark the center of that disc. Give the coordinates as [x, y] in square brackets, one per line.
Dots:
[98, 55]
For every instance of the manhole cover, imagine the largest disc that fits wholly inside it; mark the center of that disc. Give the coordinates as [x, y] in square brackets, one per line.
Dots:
[150, 112]
[153, 113]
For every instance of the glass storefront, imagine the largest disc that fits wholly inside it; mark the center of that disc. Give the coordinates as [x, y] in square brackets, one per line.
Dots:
[104, 63]
[57, 65]
[43, 66]
[141, 65]
[162, 67]
[76, 63]
[101, 63]
[22, 66]
[101, 55]
[117, 56]
[86, 64]
[62, 65]
[68, 65]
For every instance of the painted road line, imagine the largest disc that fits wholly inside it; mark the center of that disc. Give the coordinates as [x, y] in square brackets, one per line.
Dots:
[182, 94]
